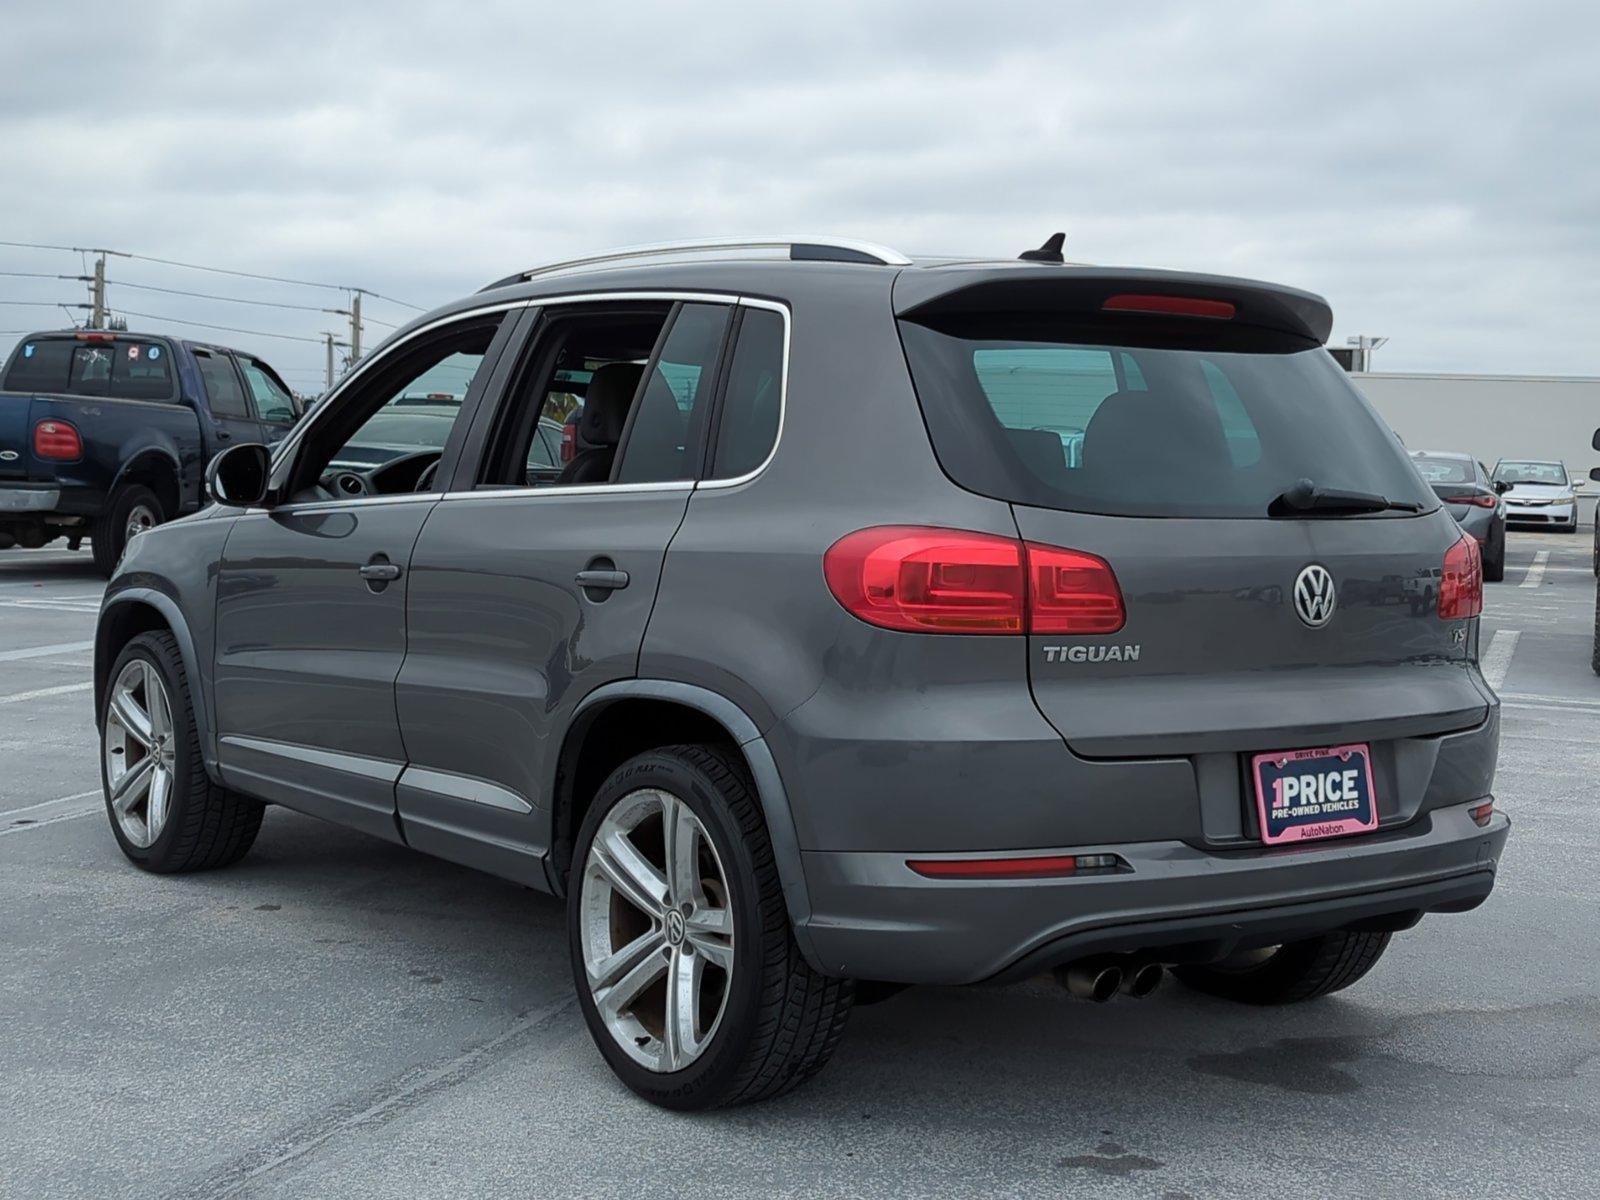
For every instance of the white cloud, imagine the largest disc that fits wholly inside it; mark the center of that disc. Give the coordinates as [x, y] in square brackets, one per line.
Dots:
[1431, 168]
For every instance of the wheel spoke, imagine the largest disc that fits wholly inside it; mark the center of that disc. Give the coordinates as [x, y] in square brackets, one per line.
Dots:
[133, 786]
[611, 1001]
[618, 963]
[681, 1041]
[710, 932]
[133, 719]
[155, 698]
[155, 812]
[681, 838]
[634, 878]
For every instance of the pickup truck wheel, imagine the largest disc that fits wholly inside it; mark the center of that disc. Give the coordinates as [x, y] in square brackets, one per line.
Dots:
[132, 510]
[686, 966]
[1292, 972]
[165, 811]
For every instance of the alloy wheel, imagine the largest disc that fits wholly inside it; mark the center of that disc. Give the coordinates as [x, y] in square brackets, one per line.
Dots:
[141, 517]
[140, 758]
[656, 925]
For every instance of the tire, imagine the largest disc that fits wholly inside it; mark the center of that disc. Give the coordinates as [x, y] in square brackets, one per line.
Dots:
[1293, 972]
[201, 825]
[1494, 564]
[132, 504]
[1597, 546]
[760, 1026]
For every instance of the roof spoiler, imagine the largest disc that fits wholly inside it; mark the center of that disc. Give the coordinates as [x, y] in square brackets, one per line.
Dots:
[1158, 301]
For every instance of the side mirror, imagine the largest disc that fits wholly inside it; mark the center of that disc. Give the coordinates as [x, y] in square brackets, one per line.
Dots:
[1594, 473]
[1578, 483]
[1595, 440]
[1501, 487]
[238, 476]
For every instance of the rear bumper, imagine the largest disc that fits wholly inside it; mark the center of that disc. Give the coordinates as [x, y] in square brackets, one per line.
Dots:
[15, 498]
[875, 918]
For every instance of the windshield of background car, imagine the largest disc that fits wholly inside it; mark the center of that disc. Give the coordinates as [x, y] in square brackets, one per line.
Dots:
[1444, 470]
[398, 425]
[1024, 416]
[1531, 472]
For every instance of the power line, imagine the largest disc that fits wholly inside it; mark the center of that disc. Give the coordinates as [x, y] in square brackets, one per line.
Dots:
[188, 266]
[291, 337]
[150, 287]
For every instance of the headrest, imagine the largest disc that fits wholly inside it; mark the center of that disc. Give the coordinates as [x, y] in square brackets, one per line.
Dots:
[605, 407]
[1136, 435]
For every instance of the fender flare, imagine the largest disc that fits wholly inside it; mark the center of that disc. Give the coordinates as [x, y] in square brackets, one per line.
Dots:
[173, 615]
[773, 797]
[146, 452]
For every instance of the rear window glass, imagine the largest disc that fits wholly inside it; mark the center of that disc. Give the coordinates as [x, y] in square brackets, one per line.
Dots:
[122, 369]
[1146, 431]
[40, 366]
[1444, 470]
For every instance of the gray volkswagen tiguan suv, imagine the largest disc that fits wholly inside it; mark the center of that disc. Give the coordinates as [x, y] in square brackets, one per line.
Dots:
[886, 622]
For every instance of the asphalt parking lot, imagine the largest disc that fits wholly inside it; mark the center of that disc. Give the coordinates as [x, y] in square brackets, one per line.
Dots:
[339, 1016]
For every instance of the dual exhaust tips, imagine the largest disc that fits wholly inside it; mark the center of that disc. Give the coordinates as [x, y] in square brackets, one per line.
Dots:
[1106, 975]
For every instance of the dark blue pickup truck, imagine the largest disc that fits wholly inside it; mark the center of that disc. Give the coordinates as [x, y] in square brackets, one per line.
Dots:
[105, 434]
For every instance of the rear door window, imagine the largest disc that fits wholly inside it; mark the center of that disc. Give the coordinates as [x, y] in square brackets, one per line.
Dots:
[224, 392]
[663, 437]
[1145, 430]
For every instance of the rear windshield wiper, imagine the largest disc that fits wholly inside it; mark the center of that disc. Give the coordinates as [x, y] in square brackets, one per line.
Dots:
[1305, 497]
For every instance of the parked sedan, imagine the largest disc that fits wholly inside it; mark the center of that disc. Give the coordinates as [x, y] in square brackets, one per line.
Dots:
[1462, 483]
[1540, 493]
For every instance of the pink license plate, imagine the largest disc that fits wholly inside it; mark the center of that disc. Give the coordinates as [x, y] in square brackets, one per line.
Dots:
[1302, 795]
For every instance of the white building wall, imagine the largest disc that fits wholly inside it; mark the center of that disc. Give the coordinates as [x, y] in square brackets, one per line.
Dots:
[1494, 416]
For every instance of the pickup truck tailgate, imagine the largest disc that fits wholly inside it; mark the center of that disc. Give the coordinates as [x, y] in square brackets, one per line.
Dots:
[14, 431]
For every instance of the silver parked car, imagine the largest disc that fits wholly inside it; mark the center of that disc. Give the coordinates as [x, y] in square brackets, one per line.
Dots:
[1540, 493]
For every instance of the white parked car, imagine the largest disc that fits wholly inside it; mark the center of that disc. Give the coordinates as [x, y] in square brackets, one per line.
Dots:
[1540, 493]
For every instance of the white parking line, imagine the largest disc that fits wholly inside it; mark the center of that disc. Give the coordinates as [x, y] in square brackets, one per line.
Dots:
[1496, 660]
[31, 825]
[6, 814]
[1535, 575]
[40, 693]
[45, 651]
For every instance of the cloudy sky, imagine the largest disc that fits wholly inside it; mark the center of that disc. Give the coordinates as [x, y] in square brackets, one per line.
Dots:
[1434, 169]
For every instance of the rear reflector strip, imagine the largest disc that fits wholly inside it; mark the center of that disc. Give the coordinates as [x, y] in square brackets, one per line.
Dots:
[1483, 813]
[1170, 306]
[1050, 866]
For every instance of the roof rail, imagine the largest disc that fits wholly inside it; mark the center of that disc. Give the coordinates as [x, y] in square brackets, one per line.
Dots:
[808, 249]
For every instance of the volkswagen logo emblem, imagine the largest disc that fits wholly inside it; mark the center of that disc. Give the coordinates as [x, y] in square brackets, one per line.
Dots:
[1313, 595]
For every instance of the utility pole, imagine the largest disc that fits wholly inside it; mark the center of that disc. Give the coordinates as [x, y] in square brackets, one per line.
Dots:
[329, 338]
[97, 292]
[355, 325]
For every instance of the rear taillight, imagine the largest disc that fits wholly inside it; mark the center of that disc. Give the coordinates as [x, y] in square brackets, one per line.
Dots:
[1478, 501]
[1071, 592]
[924, 580]
[57, 440]
[1461, 581]
[569, 441]
[1483, 813]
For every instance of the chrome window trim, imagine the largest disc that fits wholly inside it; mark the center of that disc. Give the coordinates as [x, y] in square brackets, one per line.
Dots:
[783, 398]
[291, 443]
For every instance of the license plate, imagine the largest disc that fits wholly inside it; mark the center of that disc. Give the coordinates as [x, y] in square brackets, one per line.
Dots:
[1302, 795]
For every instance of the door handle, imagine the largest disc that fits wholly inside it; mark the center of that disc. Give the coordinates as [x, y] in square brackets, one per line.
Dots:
[224, 436]
[381, 572]
[605, 581]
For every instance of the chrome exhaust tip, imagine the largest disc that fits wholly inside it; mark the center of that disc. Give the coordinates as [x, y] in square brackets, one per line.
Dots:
[1096, 979]
[1139, 980]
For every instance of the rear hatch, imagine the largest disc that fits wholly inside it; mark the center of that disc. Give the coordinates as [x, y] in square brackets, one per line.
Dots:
[1167, 426]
